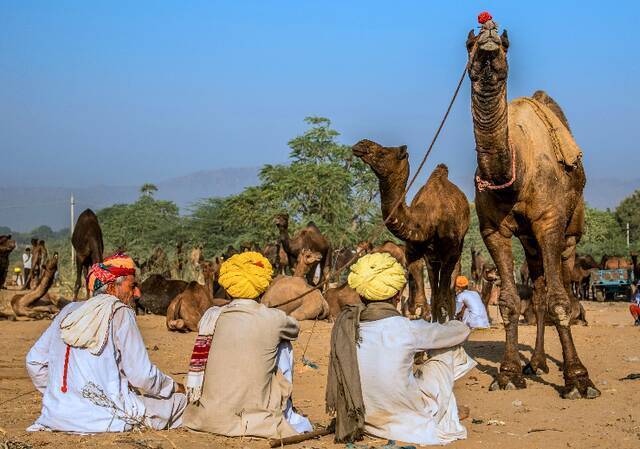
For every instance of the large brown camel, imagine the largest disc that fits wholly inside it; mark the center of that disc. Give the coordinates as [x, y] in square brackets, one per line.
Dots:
[7, 244]
[433, 227]
[477, 267]
[308, 237]
[529, 183]
[88, 244]
[31, 304]
[338, 297]
[186, 309]
[284, 288]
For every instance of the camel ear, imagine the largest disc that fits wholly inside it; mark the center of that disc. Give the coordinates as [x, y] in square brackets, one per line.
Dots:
[505, 40]
[402, 152]
[471, 39]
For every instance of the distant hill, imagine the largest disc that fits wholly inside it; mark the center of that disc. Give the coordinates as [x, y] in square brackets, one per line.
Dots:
[24, 208]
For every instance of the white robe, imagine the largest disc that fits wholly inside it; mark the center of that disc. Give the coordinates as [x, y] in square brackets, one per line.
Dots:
[475, 313]
[123, 362]
[399, 405]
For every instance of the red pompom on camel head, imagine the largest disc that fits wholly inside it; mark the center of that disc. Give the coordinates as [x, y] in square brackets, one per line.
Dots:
[483, 17]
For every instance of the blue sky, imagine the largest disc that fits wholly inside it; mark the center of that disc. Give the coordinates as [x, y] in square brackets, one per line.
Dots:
[106, 92]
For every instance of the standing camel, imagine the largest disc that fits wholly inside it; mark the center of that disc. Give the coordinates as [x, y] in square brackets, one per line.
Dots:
[477, 268]
[7, 244]
[529, 183]
[433, 227]
[88, 244]
[308, 237]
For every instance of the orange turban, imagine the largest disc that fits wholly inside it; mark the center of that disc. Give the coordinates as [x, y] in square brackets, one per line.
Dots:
[462, 282]
[110, 269]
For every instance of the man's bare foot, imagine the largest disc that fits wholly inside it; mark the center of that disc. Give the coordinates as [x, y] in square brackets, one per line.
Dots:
[463, 412]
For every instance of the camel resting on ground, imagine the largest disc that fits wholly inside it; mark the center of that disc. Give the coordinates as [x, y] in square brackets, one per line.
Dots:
[284, 288]
[157, 292]
[186, 309]
[32, 304]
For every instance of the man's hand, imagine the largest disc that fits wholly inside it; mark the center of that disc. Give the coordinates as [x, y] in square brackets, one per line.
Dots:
[180, 388]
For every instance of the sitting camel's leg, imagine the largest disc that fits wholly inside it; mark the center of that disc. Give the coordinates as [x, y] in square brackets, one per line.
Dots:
[538, 363]
[312, 307]
[551, 239]
[510, 375]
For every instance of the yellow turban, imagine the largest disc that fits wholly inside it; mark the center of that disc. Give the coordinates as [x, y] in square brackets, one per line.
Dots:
[245, 275]
[377, 276]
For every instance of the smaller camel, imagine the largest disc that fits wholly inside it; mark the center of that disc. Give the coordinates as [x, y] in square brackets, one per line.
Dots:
[581, 275]
[308, 237]
[186, 309]
[284, 288]
[615, 263]
[6, 246]
[32, 305]
[477, 267]
[88, 244]
[157, 292]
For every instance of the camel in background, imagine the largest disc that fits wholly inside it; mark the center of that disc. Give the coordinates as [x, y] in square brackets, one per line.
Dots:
[433, 227]
[284, 288]
[308, 237]
[32, 305]
[477, 268]
[6, 246]
[88, 245]
[529, 183]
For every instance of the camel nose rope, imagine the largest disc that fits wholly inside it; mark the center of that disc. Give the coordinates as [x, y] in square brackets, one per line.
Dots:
[379, 229]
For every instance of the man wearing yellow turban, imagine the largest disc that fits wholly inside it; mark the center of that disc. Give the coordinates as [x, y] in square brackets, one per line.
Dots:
[371, 386]
[240, 375]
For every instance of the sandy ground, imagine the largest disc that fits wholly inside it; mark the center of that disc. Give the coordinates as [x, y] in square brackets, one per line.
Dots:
[533, 418]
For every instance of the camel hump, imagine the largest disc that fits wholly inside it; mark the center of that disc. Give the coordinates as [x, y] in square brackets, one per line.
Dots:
[545, 99]
[440, 171]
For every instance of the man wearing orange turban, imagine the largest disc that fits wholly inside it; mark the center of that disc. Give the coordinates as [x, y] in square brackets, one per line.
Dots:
[249, 346]
[94, 348]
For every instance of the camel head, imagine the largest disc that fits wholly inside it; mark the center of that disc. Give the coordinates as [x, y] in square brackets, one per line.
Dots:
[384, 161]
[490, 274]
[309, 257]
[52, 263]
[281, 221]
[487, 56]
[6, 244]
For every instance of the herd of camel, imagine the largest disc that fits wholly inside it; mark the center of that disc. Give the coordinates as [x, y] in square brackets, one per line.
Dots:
[529, 185]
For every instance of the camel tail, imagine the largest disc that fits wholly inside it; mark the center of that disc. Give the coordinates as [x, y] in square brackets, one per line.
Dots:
[544, 98]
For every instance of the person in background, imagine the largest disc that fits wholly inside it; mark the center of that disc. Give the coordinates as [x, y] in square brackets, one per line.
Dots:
[371, 386]
[92, 367]
[26, 267]
[634, 308]
[469, 306]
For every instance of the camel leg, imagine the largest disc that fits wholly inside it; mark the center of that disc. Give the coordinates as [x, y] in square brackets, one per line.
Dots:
[552, 244]
[538, 362]
[78, 285]
[510, 375]
[310, 309]
[416, 279]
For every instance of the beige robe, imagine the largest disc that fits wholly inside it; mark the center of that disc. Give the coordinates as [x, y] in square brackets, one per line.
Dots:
[243, 393]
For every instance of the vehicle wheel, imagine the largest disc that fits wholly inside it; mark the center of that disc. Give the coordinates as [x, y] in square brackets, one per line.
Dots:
[599, 295]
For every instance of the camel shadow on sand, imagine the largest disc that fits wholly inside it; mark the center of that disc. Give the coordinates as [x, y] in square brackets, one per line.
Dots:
[492, 351]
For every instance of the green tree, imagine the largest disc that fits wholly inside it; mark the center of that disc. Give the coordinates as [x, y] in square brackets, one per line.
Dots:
[148, 189]
[602, 234]
[628, 211]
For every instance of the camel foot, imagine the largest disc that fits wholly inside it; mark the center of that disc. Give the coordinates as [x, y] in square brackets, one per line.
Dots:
[508, 381]
[580, 388]
[536, 367]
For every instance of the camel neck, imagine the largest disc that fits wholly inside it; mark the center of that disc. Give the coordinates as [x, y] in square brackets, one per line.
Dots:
[284, 239]
[491, 130]
[400, 222]
[301, 270]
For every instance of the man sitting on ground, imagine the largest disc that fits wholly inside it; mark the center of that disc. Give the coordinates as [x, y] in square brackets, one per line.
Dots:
[92, 367]
[371, 385]
[240, 376]
[469, 306]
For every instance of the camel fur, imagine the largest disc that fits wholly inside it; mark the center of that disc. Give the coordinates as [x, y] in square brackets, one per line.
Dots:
[433, 227]
[529, 184]
[284, 288]
[88, 245]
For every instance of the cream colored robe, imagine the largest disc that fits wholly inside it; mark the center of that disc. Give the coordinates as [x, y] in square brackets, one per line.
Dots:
[243, 393]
